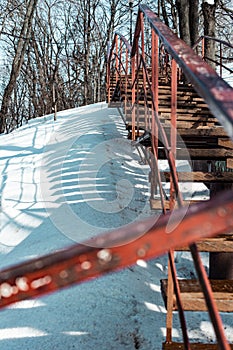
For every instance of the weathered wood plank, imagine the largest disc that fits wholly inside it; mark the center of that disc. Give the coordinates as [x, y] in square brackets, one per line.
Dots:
[220, 244]
[202, 153]
[230, 163]
[199, 176]
[193, 299]
[155, 204]
[194, 346]
[185, 110]
[193, 117]
[227, 143]
[193, 124]
[214, 131]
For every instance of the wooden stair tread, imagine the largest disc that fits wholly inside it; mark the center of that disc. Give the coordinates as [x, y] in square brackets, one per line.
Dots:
[219, 244]
[165, 106]
[199, 176]
[202, 153]
[226, 143]
[186, 109]
[185, 120]
[192, 297]
[205, 131]
[194, 124]
[182, 97]
[194, 346]
[156, 204]
[194, 119]
[197, 118]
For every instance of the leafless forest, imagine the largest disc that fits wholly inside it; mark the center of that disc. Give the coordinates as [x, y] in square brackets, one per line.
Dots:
[53, 52]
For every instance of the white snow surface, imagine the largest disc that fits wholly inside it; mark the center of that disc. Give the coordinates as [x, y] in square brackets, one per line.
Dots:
[65, 181]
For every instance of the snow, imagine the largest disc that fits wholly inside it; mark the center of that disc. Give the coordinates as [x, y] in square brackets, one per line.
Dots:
[65, 181]
[227, 76]
[211, 2]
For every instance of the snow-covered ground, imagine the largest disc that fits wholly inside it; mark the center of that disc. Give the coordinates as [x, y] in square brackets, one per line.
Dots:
[64, 182]
[227, 76]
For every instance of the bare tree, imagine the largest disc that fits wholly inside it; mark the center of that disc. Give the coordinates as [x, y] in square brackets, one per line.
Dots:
[183, 13]
[17, 62]
[209, 17]
[194, 21]
[188, 13]
[57, 60]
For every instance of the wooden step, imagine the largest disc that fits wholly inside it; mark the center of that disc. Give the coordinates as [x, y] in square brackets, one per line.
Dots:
[184, 98]
[219, 244]
[229, 163]
[185, 131]
[194, 346]
[226, 143]
[165, 103]
[156, 204]
[192, 297]
[114, 104]
[215, 131]
[165, 98]
[187, 120]
[199, 176]
[195, 118]
[186, 110]
[192, 124]
[202, 132]
[199, 154]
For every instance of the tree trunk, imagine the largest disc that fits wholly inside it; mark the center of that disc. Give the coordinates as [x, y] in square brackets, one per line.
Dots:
[87, 47]
[174, 18]
[194, 21]
[164, 13]
[183, 12]
[209, 29]
[17, 63]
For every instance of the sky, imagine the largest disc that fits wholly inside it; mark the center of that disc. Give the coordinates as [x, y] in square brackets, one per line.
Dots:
[61, 183]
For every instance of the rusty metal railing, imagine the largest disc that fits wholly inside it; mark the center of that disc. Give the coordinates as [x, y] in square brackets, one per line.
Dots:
[171, 61]
[221, 53]
[114, 250]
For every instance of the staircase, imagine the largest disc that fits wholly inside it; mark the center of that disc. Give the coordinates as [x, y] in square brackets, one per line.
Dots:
[206, 142]
[168, 116]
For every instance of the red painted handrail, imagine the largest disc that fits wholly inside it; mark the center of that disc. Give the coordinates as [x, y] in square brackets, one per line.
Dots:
[219, 58]
[114, 250]
[217, 94]
[215, 91]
